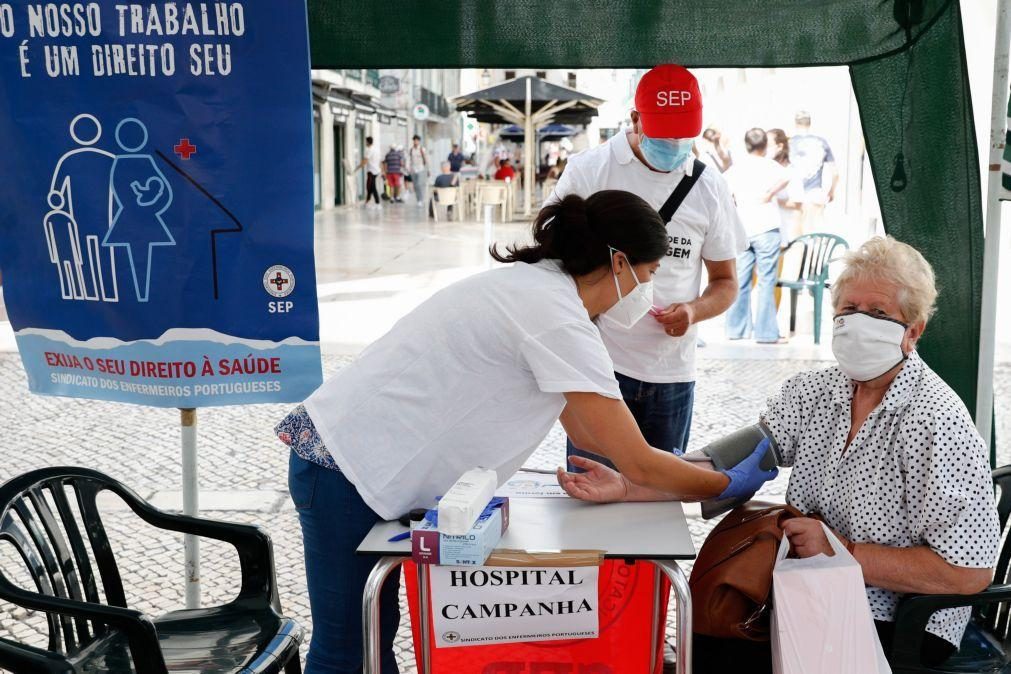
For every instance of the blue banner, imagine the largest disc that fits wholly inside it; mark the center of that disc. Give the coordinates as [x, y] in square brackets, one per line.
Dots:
[156, 207]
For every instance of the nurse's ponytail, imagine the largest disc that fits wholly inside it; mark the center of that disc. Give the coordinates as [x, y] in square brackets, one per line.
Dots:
[580, 232]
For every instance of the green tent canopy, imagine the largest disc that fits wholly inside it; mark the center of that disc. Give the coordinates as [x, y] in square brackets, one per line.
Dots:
[906, 60]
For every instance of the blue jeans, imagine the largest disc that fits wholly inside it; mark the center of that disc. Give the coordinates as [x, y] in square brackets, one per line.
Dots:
[663, 412]
[762, 258]
[334, 521]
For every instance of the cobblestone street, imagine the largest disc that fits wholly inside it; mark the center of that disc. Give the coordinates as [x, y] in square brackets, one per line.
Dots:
[243, 476]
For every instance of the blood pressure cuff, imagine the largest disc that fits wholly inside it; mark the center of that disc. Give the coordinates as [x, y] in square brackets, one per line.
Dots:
[729, 451]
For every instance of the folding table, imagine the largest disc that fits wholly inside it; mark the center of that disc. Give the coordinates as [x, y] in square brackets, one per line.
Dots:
[653, 532]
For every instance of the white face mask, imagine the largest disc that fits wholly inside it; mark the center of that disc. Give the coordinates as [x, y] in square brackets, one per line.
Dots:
[628, 310]
[867, 346]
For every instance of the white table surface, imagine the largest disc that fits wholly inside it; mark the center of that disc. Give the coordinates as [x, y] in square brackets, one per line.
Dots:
[622, 530]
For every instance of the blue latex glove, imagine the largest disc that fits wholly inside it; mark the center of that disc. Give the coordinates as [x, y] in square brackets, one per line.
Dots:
[747, 477]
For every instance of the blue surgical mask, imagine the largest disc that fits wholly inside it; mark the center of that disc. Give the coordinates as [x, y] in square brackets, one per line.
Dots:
[666, 154]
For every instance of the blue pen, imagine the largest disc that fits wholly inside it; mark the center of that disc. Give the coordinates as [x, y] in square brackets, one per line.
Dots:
[400, 537]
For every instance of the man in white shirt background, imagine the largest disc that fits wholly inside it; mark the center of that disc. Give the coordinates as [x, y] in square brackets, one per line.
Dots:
[417, 164]
[654, 361]
[755, 180]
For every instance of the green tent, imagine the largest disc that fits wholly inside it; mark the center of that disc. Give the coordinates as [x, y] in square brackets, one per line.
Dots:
[906, 60]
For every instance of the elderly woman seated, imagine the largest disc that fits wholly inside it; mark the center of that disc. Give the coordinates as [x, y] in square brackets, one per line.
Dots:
[881, 448]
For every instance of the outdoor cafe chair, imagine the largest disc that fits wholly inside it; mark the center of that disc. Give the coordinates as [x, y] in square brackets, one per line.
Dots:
[987, 637]
[547, 187]
[468, 197]
[444, 197]
[492, 194]
[818, 252]
[51, 519]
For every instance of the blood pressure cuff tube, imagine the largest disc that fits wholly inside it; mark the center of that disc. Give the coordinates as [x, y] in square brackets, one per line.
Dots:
[729, 451]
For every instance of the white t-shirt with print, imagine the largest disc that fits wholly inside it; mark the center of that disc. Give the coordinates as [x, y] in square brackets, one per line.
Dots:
[750, 179]
[705, 226]
[472, 377]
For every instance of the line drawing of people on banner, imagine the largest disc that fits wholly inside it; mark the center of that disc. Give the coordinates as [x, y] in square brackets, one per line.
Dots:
[78, 197]
[64, 247]
[139, 195]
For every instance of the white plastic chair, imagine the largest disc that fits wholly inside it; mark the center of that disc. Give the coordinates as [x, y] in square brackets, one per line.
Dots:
[466, 197]
[444, 197]
[492, 194]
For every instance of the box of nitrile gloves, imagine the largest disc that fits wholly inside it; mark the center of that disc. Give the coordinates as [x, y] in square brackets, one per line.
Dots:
[429, 546]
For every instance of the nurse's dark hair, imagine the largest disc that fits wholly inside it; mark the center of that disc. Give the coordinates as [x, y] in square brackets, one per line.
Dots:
[578, 232]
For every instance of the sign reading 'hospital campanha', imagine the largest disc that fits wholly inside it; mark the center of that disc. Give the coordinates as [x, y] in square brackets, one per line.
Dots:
[156, 200]
[491, 605]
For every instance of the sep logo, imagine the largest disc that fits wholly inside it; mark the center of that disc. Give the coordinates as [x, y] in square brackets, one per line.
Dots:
[278, 281]
[675, 98]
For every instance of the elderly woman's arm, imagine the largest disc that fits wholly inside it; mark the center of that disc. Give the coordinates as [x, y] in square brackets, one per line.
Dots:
[917, 570]
[908, 570]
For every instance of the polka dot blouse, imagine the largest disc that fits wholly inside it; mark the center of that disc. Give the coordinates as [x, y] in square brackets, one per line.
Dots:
[915, 474]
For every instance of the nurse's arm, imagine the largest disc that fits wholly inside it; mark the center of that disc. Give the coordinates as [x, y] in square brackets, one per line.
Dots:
[613, 433]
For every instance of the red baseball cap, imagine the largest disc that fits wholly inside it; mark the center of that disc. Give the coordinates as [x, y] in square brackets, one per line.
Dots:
[669, 103]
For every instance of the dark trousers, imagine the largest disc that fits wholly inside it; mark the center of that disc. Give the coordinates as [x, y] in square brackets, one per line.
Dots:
[334, 521]
[718, 656]
[370, 187]
[663, 412]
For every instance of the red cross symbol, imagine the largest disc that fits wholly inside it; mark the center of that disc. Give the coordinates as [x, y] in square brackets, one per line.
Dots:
[185, 148]
[279, 282]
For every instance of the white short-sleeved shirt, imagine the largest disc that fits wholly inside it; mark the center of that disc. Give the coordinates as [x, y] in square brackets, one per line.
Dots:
[750, 179]
[915, 474]
[472, 377]
[372, 160]
[705, 226]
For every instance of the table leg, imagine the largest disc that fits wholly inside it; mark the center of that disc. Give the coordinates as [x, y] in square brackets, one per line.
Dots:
[370, 613]
[657, 621]
[424, 608]
[683, 599]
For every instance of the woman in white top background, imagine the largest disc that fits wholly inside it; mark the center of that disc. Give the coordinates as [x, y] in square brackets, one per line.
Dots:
[476, 376]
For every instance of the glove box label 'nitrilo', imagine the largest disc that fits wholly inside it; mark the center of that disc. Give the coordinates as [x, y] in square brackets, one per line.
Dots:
[430, 546]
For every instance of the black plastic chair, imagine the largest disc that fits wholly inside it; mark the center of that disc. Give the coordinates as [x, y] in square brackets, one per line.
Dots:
[986, 639]
[819, 251]
[39, 515]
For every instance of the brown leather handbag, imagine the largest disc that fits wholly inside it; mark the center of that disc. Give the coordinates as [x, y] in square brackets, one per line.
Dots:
[731, 581]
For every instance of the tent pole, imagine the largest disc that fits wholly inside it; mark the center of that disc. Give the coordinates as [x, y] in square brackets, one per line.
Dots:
[528, 152]
[191, 543]
[991, 250]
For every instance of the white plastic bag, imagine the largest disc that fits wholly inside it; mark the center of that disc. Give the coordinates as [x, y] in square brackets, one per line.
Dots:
[821, 621]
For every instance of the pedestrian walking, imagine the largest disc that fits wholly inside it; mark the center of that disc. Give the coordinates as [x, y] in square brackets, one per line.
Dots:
[815, 170]
[371, 164]
[755, 180]
[417, 163]
[455, 159]
[393, 172]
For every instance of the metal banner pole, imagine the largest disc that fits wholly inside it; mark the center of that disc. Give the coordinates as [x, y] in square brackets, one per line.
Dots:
[489, 234]
[529, 139]
[991, 246]
[191, 505]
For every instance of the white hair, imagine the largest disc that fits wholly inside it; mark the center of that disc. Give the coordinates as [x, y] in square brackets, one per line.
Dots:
[899, 264]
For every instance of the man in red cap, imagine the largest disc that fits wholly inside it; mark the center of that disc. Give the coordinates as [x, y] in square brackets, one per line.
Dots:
[654, 360]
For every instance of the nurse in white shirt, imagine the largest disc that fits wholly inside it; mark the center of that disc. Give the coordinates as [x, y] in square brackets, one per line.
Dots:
[476, 376]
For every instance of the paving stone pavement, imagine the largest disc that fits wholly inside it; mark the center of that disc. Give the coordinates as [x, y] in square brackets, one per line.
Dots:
[238, 453]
